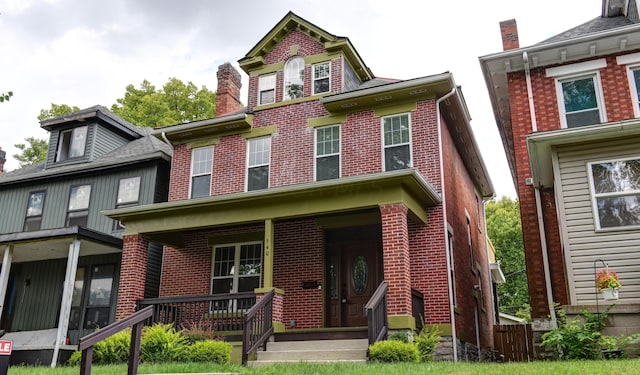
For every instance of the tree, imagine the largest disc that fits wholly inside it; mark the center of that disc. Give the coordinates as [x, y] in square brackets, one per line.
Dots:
[56, 110]
[505, 231]
[175, 103]
[36, 151]
[5, 96]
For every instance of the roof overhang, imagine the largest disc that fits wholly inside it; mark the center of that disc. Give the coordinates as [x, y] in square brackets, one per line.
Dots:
[541, 145]
[90, 114]
[164, 222]
[496, 273]
[234, 123]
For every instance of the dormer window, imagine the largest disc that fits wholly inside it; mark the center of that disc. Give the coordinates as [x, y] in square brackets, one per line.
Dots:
[71, 143]
[294, 78]
[267, 89]
[321, 76]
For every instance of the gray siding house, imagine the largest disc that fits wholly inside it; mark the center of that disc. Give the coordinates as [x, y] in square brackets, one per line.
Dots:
[60, 256]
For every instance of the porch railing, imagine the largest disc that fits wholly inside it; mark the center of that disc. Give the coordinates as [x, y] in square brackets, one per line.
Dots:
[215, 313]
[376, 310]
[258, 326]
[136, 321]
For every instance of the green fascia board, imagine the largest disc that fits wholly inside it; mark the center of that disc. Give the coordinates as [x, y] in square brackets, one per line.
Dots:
[327, 120]
[292, 101]
[212, 128]
[316, 198]
[260, 132]
[344, 45]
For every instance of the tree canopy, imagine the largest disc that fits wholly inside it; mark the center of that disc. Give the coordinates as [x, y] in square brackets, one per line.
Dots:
[505, 231]
[56, 110]
[34, 151]
[5, 96]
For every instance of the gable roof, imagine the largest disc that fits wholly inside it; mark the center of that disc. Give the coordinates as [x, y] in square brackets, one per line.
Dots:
[332, 43]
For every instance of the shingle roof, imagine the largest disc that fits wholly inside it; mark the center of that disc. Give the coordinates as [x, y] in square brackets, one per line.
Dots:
[596, 25]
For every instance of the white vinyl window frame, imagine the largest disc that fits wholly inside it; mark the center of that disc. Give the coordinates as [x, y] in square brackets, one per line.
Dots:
[408, 142]
[256, 159]
[293, 75]
[266, 83]
[594, 196]
[235, 271]
[201, 167]
[632, 62]
[321, 66]
[72, 143]
[317, 154]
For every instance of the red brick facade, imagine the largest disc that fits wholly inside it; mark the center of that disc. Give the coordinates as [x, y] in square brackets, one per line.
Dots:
[132, 274]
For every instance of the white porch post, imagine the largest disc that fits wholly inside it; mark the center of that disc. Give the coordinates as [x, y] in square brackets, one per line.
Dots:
[67, 294]
[4, 274]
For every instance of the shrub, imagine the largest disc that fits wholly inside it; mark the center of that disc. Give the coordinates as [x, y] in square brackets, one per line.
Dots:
[209, 351]
[112, 350]
[427, 341]
[162, 343]
[399, 336]
[393, 351]
[200, 330]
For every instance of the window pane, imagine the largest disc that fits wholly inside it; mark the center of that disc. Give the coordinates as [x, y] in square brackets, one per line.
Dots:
[78, 286]
[259, 150]
[327, 168]
[294, 78]
[78, 142]
[250, 259]
[636, 78]
[201, 160]
[248, 284]
[579, 94]
[78, 218]
[222, 286]
[396, 158]
[396, 130]
[201, 186]
[224, 261]
[619, 211]
[583, 118]
[101, 284]
[32, 223]
[267, 97]
[128, 190]
[63, 145]
[328, 141]
[267, 85]
[96, 317]
[36, 203]
[616, 176]
[79, 199]
[258, 178]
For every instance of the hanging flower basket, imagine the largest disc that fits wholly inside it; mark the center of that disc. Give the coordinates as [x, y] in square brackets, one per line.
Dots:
[609, 294]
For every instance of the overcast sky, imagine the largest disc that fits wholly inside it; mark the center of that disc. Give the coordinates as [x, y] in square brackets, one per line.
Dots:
[83, 53]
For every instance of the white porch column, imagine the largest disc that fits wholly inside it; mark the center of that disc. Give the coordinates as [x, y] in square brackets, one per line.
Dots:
[4, 274]
[67, 295]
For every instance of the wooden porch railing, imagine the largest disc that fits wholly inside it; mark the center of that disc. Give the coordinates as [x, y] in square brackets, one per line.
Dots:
[136, 321]
[258, 326]
[220, 312]
[376, 310]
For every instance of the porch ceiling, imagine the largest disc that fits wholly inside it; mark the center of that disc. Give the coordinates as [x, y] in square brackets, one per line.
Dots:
[163, 222]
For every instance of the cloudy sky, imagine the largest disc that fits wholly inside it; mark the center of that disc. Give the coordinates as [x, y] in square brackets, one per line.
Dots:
[83, 52]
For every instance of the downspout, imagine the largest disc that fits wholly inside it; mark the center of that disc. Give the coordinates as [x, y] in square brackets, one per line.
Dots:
[446, 231]
[166, 140]
[543, 236]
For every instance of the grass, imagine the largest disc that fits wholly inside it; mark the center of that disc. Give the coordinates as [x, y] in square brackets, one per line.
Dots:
[624, 366]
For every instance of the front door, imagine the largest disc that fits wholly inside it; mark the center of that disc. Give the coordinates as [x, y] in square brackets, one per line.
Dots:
[354, 270]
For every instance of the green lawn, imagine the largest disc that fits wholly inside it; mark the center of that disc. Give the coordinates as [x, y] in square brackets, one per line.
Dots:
[626, 366]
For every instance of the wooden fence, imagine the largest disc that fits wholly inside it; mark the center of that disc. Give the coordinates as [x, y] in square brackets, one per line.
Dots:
[514, 342]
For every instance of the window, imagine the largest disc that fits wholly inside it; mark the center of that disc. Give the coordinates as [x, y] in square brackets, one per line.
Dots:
[71, 143]
[267, 89]
[581, 103]
[615, 188]
[92, 306]
[294, 78]
[201, 167]
[78, 211]
[33, 218]
[327, 153]
[634, 84]
[258, 163]
[397, 142]
[128, 193]
[321, 74]
[236, 268]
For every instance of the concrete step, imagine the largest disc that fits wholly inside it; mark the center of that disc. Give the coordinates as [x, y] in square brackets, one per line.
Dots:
[269, 363]
[317, 351]
[318, 345]
[310, 355]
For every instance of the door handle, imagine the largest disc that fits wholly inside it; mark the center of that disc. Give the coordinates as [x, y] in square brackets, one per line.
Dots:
[344, 300]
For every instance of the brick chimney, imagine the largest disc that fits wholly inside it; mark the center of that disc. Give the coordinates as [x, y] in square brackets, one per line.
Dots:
[509, 32]
[3, 154]
[228, 93]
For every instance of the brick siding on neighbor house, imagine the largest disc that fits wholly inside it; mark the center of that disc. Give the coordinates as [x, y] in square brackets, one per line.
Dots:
[132, 274]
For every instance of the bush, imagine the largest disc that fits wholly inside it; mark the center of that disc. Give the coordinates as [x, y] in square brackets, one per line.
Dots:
[209, 351]
[427, 341]
[162, 343]
[393, 351]
[399, 336]
[112, 350]
[200, 330]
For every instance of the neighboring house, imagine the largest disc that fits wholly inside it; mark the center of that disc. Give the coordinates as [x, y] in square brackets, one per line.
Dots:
[3, 159]
[567, 110]
[61, 256]
[329, 182]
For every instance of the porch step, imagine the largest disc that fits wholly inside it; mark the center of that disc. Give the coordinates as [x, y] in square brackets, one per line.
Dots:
[319, 351]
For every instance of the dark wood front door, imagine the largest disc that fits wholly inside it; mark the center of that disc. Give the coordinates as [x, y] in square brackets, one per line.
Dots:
[354, 270]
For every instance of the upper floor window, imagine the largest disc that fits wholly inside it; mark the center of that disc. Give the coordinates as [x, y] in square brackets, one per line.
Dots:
[266, 89]
[615, 189]
[396, 134]
[78, 211]
[128, 195]
[33, 219]
[201, 167]
[635, 88]
[71, 143]
[321, 78]
[259, 151]
[327, 152]
[294, 78]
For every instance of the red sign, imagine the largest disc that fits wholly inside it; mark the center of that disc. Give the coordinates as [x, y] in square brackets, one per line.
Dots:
[5, 347]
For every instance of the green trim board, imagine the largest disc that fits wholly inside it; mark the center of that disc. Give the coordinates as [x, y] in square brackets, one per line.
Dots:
[260, 132]
[443, 329]
[292, 101]
[267, 290]
[327, 120]
[203, 143]
[402, 322]
[395, 109]
[235, 238]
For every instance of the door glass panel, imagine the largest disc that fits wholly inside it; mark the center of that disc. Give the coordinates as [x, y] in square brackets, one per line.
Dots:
[78, 285]
[333, 277]
[360, 274]
[101, 283]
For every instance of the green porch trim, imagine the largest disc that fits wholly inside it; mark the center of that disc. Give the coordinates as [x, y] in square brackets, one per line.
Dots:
[396, 109]
[278, 327]
[444, 329]
[260, 132]
[203, 143]
[267, 269]
[267, 290]
[402, 322]
[348, 220]
[235, 238]
[292, 101]
[327, 120]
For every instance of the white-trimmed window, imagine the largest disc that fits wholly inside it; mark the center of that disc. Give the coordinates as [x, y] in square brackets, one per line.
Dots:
[201, 166]
[237, 268]
[615, 190]
[327, 153]
[321, 78]
[35, 206]
[632, 61]
[294, 78]
[396, 140]
[266, 89]
[71, 143]
[128, 195]
[258, 155]
[78, 210]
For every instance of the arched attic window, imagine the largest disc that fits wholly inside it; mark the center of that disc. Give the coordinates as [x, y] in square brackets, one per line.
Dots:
[294, 78]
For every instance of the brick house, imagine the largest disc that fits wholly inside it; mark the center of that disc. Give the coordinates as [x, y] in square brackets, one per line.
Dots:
[329, 182]
[567, 111]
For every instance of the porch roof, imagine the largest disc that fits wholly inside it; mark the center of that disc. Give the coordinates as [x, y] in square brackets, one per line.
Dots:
[163, 222]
